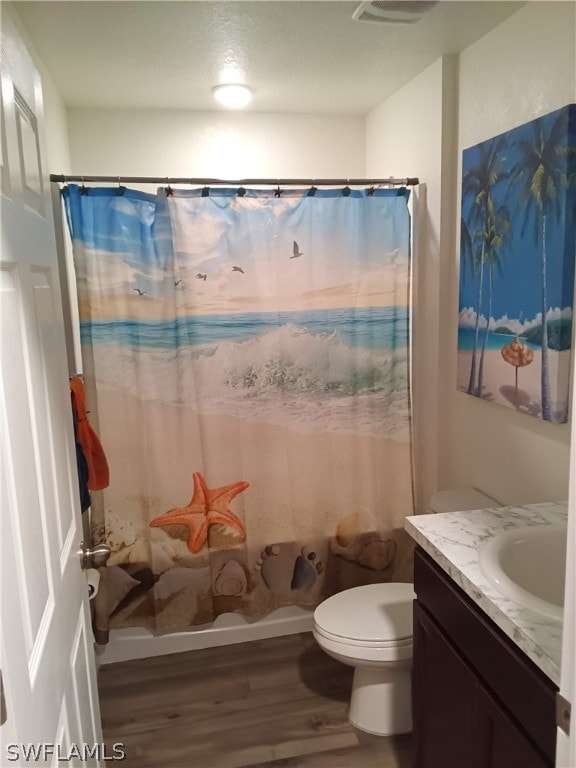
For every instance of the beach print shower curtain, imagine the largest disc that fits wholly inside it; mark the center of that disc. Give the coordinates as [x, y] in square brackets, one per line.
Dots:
[246, 361]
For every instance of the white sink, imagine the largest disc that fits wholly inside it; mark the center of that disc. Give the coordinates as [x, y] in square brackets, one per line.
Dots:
[528, 565]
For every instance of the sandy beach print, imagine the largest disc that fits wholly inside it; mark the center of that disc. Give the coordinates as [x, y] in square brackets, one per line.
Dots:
[336, 474]
[499, 381]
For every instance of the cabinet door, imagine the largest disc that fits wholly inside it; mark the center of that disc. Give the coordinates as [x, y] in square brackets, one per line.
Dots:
[522, 694]
[445, 701]
[504, 744]
[458, 723]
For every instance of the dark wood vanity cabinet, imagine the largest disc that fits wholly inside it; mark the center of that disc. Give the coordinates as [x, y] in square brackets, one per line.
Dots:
[479, 702]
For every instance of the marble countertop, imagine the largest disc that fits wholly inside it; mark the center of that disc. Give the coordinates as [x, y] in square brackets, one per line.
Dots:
[452, 538]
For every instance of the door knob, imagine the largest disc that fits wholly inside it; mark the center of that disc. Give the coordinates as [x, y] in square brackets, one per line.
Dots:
[94, 557]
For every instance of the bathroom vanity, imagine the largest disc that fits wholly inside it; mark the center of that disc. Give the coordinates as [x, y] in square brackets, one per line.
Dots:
[486, 669]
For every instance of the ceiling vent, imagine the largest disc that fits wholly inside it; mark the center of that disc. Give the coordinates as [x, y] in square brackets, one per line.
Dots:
[393, 11]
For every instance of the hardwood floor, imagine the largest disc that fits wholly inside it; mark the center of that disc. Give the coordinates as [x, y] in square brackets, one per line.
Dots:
[275, 702]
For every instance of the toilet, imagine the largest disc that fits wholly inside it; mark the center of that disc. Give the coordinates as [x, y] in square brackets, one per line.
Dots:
[370, 628]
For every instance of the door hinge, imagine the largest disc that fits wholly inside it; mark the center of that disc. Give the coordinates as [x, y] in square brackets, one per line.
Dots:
[563, 712]
[3, 714]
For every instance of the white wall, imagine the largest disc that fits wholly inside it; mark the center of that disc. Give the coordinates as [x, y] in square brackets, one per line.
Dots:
[523, 69]
[216, 144]
[407, 136]
[55, 117]
[55, 125]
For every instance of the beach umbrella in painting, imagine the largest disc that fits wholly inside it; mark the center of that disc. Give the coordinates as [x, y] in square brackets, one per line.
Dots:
[518, 355]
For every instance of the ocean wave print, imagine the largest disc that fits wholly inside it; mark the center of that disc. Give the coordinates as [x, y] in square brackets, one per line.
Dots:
[290, 376]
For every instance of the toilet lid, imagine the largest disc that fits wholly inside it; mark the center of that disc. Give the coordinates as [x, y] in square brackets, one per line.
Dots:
[375, 612]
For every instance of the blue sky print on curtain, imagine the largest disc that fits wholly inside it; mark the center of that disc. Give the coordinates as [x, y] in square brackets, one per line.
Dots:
[248, 362]
[517, 259]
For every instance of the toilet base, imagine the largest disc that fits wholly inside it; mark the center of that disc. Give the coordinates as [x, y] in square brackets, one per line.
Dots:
[381, 701]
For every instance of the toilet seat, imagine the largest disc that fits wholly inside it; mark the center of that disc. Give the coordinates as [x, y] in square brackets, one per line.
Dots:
[403, 643]
[378, 614]
[369, 623]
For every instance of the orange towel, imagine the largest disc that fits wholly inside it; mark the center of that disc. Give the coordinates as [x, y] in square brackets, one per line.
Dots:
[98, 474]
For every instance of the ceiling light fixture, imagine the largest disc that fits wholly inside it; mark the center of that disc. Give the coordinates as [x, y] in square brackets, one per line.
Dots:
[232, 95]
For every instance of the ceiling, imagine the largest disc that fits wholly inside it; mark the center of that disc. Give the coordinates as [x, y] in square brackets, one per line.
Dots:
[299, 56]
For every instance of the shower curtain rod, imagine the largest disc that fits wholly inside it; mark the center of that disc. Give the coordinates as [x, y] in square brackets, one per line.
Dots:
[64, 179]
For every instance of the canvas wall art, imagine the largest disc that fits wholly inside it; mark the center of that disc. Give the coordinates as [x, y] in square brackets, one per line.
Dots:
[517, 254]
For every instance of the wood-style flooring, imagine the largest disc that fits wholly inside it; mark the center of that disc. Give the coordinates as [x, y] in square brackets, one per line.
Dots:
[275, 702]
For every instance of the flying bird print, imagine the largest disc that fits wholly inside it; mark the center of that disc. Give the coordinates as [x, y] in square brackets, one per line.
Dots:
[296, 251]
[237, 269]
[177, 283]
[139, 292]
[200, 276]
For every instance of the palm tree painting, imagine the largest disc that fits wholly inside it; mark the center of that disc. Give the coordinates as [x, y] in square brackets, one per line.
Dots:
[517, 258]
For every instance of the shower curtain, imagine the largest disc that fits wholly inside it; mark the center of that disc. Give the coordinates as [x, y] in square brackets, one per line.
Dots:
[246, 362]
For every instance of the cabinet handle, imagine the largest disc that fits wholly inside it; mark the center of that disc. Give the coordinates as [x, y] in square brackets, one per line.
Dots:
[563, 712]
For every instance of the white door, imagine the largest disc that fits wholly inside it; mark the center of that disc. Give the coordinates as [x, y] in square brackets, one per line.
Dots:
[47, 658]
[566, 741]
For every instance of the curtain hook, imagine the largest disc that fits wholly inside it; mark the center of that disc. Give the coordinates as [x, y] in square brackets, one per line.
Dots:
[346, 191]
[83, 189]
[312, 191]
[205, 191]
[169, 191]
[370, 190]
[277, 191]
[120, 191]
[241, 192]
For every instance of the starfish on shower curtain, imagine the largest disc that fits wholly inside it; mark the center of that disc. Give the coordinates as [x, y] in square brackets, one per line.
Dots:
[207, 507]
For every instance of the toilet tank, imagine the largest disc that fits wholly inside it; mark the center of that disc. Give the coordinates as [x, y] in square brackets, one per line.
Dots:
[457, 499]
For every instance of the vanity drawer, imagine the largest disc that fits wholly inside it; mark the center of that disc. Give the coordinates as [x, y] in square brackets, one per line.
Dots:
[523, 689]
